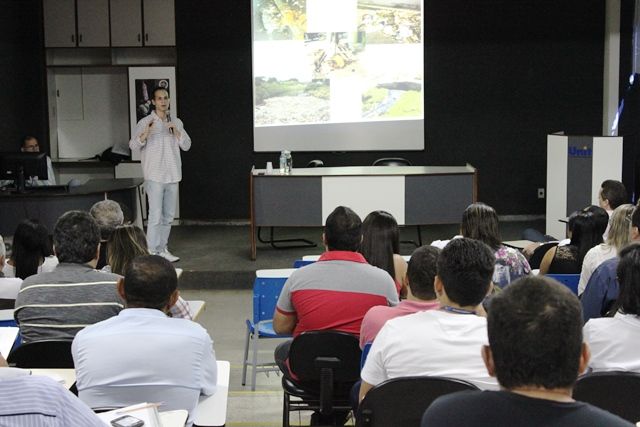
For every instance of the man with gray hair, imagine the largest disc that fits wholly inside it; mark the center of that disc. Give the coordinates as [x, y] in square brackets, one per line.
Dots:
[56, 305]
[108, 214]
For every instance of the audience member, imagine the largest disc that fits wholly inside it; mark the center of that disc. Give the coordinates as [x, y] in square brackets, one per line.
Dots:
[535, 252]
[108, 214]
[30, 401]
[585, 234]
[335, 292]
[420, 294]
[381, 245]
[601, 291]
[127, 242]
[9, 286]
[536, 351]
[480, 222]
[57, 304]
[30, 145]
[613, 340]
[443, 342]
[31, 251]
[611, 195]
[618, 237]
[142, 355]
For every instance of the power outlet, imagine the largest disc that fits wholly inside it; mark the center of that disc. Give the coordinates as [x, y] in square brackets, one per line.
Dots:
[540, 193]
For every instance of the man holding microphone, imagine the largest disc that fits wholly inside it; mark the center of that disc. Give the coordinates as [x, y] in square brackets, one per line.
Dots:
[159, 138]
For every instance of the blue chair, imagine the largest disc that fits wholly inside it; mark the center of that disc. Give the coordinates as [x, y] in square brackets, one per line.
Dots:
[365, 353]
[301, 263]
[266, 290]
[569, 280]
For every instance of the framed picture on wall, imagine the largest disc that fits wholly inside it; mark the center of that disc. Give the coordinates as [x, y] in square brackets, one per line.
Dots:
[142, 82]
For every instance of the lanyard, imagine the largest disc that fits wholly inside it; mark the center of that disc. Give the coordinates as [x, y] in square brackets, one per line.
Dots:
[457, 310]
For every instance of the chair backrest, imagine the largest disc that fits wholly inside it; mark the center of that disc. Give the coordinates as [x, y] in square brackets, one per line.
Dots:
[569, 280]
[301, 263]
[266, 290]
[402, 401]
[42, 354]
[341, 347]
[365, 353]
[616, 392]
[539, 253]
[392, 161]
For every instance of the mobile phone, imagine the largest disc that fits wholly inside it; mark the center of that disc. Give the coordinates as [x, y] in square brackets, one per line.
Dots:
[127, 421]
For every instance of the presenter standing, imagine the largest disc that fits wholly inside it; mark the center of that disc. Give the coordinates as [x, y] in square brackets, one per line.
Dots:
[160, 137]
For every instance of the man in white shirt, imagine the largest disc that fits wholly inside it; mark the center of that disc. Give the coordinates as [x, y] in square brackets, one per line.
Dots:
[143, 355]
[445, 342]
[159, 138]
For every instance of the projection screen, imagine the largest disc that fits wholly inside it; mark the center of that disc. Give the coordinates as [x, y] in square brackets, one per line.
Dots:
[338, 75]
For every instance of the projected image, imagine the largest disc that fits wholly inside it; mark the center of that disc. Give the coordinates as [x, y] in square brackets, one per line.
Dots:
[279, 19]
[291, 101]
[393, 100]
[380, 23]
[340, 64]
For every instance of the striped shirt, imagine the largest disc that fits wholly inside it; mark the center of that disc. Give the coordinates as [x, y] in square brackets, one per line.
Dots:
[56, 305]
[41, 402]
[160, 153]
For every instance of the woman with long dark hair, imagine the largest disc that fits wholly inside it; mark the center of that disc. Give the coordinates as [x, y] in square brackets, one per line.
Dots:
[381, 244]
[480, 222]
[31, 251]
[585, 234]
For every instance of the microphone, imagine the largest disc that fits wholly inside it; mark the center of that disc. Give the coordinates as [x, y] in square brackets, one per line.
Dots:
[168, 120]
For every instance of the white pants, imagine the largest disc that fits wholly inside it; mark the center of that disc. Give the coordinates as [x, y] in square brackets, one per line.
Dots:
[162, 208]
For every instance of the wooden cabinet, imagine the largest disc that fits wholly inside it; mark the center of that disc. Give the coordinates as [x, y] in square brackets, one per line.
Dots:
[85, 23]
[128, 28]
[159, 23]
[93, 23]
[62, 30]
[126, 23]
[59, 23]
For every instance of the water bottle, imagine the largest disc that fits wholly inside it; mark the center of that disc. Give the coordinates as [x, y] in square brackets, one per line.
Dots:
[289, 162]
[283, 162]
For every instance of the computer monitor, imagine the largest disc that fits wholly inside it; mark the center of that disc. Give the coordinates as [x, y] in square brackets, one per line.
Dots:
[18, 166]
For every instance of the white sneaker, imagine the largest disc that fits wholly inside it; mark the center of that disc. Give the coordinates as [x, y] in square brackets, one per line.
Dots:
[168, 256]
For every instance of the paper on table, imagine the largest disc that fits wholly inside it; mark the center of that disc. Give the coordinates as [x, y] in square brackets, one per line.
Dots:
[8, 336]
[145, 411]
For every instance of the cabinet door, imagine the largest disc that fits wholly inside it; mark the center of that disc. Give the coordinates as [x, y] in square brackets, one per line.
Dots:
[126, 23]
[159, 23]
[93, 23]
[59, 23]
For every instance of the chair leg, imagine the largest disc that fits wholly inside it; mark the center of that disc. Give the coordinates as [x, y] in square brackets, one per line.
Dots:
[245, 358]
[255, 341]
[285, 411]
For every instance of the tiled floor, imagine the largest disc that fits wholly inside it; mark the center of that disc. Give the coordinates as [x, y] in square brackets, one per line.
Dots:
[224, 317]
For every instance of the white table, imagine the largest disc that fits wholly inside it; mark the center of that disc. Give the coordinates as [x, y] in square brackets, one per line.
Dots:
[196, 307]
[212, 410]
[66, 377]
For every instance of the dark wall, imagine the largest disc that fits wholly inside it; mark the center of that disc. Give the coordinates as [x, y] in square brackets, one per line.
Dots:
[500, 75]
[23, 105]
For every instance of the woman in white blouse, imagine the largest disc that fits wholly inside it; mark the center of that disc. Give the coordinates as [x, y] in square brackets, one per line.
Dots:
[614, 340]
[618, 238]
[31, 251]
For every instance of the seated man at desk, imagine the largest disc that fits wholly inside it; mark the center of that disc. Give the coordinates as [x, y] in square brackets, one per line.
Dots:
[30, 400]
[55, 305]
[30, 145]
[142, 355]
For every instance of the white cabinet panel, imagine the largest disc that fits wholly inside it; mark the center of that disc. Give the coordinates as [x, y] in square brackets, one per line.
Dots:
[159, 23]
[93, 23]
[59, 23]
[69, 95]
[126, 23]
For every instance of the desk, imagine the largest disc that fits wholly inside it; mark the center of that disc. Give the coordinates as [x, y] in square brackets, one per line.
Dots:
[414, 195]
[47, 206]
[66, 377]
[212, 410]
